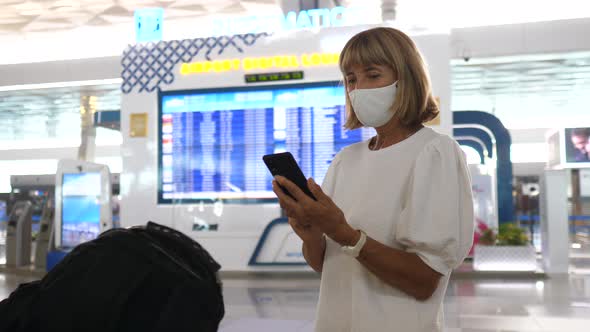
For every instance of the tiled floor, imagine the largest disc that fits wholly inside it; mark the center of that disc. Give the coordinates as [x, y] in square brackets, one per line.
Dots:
[9, 282]
[559, 304]
[556, 304]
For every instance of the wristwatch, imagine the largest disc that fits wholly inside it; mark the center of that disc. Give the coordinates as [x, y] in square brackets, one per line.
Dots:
[356, 250]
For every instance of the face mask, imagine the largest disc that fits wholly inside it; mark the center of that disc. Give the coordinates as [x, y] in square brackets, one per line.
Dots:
[371, 106]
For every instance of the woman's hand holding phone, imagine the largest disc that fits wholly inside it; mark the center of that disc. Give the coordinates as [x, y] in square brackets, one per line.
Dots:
[307, 233]
[322, 213]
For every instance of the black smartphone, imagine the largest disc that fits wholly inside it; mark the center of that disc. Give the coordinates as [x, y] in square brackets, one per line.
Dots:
[284, 164]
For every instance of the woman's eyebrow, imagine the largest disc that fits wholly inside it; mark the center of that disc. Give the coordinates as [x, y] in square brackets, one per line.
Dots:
[369, 68]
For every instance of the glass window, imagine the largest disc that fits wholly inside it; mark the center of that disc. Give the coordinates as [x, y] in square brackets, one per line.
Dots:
[45, 118]
[527, 91]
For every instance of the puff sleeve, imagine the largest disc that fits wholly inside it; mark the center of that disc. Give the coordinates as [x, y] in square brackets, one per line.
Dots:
[436, 221]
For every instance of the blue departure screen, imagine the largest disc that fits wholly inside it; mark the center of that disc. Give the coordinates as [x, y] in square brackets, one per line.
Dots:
[80, 211]
[212, 141]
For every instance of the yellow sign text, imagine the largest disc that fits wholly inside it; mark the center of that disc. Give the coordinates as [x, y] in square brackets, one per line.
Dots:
[260, 63]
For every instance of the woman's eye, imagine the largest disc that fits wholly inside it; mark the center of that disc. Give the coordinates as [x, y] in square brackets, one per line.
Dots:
[350, 81]
[374, 75]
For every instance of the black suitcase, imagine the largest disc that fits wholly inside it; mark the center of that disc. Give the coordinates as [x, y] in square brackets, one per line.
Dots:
[146, 278]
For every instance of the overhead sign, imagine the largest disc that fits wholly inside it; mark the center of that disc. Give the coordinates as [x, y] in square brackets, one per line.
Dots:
[148, 24]
[265, 62]
[305, 19]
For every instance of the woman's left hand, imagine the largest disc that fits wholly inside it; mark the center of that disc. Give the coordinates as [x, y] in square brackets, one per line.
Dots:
[322, 213]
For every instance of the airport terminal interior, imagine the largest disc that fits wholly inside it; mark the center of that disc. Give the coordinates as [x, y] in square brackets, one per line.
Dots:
[117, 113]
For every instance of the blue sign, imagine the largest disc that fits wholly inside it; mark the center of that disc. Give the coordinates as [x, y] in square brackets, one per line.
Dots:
[148, 24]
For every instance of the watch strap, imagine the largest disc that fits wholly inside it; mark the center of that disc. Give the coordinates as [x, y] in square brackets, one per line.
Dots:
[355, 250]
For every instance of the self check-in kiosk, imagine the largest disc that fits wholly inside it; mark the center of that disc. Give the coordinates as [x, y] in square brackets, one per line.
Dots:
[82, 202]
[44, 240]
[18, 234]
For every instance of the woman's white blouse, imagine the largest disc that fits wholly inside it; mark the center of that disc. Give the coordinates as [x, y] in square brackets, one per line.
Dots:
[414, 196]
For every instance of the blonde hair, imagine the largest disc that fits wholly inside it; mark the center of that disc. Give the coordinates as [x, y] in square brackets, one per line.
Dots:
[414, 103]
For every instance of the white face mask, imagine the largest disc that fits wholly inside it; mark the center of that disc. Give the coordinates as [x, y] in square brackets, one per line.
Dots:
[371, 106]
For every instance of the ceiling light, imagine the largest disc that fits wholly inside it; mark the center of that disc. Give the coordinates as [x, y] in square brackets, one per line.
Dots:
[59, 84]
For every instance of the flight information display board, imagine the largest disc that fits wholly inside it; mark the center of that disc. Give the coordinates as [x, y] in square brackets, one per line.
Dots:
[211, 142]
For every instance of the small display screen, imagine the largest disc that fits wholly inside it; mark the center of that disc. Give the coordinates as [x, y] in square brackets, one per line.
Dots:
[273, 77]
[577, 145]
[80, 213]
[3, 212]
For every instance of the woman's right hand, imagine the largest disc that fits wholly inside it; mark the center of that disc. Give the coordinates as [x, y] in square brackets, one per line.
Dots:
[307, 233]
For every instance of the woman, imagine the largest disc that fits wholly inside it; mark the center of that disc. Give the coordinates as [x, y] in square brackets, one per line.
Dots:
[395, 214]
